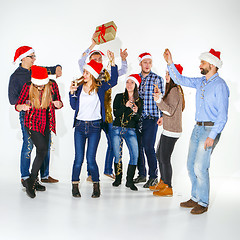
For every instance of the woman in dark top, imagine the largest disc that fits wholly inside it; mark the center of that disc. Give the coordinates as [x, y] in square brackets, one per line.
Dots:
[127, 108]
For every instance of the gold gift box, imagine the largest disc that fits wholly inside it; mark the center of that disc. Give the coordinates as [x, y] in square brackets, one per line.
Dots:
[105, 32]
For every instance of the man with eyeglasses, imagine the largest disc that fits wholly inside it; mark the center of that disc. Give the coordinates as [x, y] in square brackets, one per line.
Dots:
[21, 76]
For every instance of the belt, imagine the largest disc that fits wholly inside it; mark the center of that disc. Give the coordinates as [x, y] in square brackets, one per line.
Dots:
[205, 123]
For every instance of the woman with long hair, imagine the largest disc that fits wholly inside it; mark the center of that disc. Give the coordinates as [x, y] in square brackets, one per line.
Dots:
[87, 99]
[39, 98]
[127, 109]
[171, 104]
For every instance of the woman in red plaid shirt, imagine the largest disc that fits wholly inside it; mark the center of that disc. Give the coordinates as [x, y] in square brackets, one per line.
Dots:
[39, 98]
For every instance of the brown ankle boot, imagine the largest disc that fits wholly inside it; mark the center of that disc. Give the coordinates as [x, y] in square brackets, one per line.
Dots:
[158, 186]
[96, 190]
[165, 192]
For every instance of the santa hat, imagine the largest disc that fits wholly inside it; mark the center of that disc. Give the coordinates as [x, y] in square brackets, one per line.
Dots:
[212, 57]
[96, 51]
[22, 52]
[136, 78]
[179, 68]
[39, 75]
[144, 56]
[94, 68]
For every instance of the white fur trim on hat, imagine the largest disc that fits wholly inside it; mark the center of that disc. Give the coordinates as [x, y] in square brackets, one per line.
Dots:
[39, 82]
[26, 54]
[144, 57]
[134, 79]
[210, 58]
[91, 70]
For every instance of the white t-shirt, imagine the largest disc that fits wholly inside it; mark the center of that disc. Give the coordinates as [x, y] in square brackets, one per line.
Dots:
[89, 107]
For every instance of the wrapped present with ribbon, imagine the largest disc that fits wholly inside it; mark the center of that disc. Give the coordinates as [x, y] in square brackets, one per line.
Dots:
[105, 32]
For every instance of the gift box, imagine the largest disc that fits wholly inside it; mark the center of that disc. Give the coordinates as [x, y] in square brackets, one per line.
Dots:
[105, 32]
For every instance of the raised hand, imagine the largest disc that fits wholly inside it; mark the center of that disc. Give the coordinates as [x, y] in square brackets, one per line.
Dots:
[111, 57]
[123, 54]
[168, 56]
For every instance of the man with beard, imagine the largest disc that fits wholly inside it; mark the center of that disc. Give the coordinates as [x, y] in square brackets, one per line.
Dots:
[212, 96]
[149, 121]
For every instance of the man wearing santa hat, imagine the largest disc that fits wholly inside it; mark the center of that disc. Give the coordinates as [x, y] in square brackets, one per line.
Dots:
[148, 122]
[22, 75]
[212, 97]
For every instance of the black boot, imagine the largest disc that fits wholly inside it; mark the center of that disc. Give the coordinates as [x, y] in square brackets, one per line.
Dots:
[130, 174]
[118, 174]
[39, 186]
[75, 190]
[30, 186]
[96, 190]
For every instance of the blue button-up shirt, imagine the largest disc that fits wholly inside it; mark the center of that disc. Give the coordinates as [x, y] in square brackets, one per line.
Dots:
[212, 97]
[146, 90]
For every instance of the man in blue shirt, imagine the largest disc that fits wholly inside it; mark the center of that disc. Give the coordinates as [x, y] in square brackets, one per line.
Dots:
[149, 121]
[212, 97]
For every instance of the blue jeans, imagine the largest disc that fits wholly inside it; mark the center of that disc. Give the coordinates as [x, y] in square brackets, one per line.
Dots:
[27, 150]
[146, 142]
[198, 164]
[109, 154]
[91, 131]
[130, 137]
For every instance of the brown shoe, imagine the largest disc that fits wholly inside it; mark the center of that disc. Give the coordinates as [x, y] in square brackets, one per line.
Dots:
[159, 186]
[199, 209]
[89, 178]
[165, 192]
[110, 175]
[49, 180]
[188, 204]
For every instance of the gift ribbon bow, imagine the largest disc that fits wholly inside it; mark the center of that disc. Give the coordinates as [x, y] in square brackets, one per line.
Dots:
[102, 30]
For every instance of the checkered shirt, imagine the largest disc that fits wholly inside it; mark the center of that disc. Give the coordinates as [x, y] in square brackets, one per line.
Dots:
[146, 90]
[35, 119]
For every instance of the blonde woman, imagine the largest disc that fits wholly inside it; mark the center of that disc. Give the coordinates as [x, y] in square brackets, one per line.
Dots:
[87, 99]
[39, 99]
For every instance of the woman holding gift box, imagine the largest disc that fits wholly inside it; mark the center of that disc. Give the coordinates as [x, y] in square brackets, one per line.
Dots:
[39, 98]
[127, 109]
[171, 104]
[88, 103]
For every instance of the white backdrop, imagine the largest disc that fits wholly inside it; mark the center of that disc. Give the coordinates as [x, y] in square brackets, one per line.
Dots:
[60, 31]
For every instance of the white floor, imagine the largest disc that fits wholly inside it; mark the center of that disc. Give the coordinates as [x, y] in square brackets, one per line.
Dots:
[118, 214]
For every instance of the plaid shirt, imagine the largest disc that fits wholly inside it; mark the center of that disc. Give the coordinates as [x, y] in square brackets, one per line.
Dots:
[35, 119]
[146, 90]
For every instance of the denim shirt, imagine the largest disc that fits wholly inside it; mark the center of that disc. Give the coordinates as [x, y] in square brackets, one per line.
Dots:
[212, 98]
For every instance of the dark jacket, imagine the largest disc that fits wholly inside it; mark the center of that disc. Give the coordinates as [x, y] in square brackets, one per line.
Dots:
[18, 79]
[124, 116]
[74, 101]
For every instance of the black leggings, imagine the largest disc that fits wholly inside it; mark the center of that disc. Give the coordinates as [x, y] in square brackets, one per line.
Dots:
[164, 152]
[41, 143]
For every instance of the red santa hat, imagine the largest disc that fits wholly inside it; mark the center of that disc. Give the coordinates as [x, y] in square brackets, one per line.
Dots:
[39, 75]
[94, 68]
[179, 68]
[144, 56]
[212, 57]
[136, 78]
[22, 52]
[96, 51]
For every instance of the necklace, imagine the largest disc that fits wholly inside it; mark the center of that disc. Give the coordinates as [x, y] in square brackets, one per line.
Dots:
[203, 85]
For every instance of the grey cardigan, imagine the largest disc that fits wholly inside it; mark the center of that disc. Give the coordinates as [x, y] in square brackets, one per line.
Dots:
[171, 107]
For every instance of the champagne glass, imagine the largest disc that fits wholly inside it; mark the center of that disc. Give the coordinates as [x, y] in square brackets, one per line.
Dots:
[28, 103]
[75, 82]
